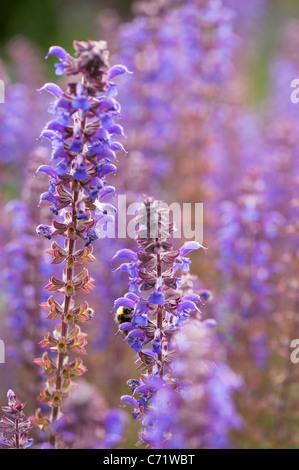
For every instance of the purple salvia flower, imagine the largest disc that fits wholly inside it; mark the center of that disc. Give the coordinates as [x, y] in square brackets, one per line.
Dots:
[180, 53]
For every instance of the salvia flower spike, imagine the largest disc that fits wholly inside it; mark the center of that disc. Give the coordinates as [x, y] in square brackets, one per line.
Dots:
[157, 304]
[83, 149]
[14, 425]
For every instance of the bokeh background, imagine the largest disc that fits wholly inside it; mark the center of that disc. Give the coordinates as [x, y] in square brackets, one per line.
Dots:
[208, 118]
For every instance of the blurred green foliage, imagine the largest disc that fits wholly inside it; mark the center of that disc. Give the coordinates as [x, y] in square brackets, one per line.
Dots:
[49, 22]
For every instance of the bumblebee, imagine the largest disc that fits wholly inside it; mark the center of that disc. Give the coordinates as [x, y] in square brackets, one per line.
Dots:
[123, 315]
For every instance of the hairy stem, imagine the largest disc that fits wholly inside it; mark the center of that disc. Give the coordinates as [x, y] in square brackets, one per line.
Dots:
[160, 311]
[17, 435]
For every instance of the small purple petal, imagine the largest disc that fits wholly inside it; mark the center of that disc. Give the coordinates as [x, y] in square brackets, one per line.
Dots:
[49, 197]
[116, 129]
[189, 246]
[187, 305]
[136, 339]
[132, 296]
[209, 323]
[106, 191]
[104, 169]
[130, 400]
[29, 443]
[59, 69]
[192, 297]
[126, 326]
[52, 88]
[124, 302]
[58, 52]
[10, 394]
[117, 70]
[117, 146]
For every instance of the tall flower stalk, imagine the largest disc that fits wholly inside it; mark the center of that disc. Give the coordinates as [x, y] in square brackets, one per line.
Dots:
[14, 425]
[185, 383]
[157, 305]
[199, 412]
[83, 149]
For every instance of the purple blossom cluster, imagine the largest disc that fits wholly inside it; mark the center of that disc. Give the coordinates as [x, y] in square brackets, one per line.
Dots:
[170, 47]
[150, 316]
[83, 151]
[14, 425]
[248, 229]
[185, 417]
[153, 284]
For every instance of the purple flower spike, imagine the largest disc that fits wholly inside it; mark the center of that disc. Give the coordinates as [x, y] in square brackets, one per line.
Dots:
[154, 320]
[82, 149]
[52, 88]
